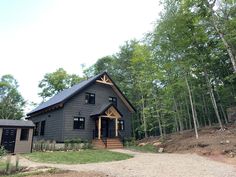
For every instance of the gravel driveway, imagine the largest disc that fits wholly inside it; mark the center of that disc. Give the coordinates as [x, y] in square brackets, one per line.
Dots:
[152, 165]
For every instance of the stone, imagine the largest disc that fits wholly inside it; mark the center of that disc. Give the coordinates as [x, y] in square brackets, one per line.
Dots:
[227, 141]
[142, 144]
[160, 150]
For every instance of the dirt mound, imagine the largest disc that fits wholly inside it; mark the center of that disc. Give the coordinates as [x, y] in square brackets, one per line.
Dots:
[211, 141]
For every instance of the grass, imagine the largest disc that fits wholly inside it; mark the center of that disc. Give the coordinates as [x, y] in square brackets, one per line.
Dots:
[145, 148]
[77, 157]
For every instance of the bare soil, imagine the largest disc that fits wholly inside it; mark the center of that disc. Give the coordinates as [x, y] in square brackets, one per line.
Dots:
[72, 174]
[214, 143]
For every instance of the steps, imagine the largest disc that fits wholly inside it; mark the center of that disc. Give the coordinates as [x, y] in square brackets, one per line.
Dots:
[114, 143]
[109, 143]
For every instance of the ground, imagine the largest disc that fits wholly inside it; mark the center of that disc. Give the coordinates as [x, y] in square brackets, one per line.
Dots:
[213, 143]
[148, 164]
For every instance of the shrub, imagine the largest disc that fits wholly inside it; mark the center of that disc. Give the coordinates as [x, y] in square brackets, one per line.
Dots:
[2, 152]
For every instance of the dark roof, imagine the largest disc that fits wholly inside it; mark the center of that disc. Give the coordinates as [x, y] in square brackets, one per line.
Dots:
[103, 108]
[64, 95]
[16, 123]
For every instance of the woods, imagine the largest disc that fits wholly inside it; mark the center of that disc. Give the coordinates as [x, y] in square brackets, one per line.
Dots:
[180, 76]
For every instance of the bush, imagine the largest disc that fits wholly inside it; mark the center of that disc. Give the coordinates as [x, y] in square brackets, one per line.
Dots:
[2, 152]
[129, 142]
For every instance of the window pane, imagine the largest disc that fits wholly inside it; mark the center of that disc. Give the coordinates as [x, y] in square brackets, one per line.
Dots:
[36, 129]
[24, 134]
[90, 98]
[42, 128]
[79, 123]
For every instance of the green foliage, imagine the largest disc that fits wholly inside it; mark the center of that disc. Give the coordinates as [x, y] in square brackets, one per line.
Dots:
[145, 148]
[11, 101]
[2, 152]
[52, 83]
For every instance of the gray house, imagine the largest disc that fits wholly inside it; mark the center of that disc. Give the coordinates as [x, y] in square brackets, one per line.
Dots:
[94, 109]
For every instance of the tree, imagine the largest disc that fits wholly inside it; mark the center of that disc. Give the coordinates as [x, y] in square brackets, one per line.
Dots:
[54, 82]
[11, 101]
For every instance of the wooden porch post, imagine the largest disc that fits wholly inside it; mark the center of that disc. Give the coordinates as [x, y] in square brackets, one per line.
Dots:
[99, 127]
[116, 127]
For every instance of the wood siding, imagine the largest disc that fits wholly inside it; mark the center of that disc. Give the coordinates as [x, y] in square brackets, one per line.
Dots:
[77, 107]
[53, 125]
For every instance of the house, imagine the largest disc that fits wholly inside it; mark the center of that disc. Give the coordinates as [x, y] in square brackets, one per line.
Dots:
[94, 109]
[16, 135]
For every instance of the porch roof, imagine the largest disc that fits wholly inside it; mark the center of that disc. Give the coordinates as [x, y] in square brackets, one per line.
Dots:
[107, 110]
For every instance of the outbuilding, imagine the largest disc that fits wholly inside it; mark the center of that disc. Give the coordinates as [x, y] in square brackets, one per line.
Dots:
[16, 135]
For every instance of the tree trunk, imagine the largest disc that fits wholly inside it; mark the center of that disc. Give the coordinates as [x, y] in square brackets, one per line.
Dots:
[189, 116]
[192, 107]
[178, 117]
[213, 100]
[221, 34]
[144, 118]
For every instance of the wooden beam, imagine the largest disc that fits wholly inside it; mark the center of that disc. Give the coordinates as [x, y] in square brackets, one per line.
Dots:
[116, 127]
[99, 127]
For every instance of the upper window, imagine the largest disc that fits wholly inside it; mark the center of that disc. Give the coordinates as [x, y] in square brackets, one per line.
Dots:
[24, 134]
[90, 98]
[113, 100]
[79, 122]
[42, 128]
[36, 129]
[121, 125]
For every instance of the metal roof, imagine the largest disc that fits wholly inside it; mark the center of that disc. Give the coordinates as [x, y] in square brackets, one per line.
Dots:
[65, 94]
[68, 93]
[16, 123]
[103, 108]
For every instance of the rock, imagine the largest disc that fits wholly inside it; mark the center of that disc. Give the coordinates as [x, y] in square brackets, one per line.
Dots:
[156, 144]
[221, 142]
[160, 150]
[231, 154]
[142, 144]
[227, 141]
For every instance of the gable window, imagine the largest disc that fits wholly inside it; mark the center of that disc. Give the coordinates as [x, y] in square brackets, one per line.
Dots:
[42, 129]
[113, 100]
[90, 98]
[24, 135]
[121, 125]
[36, 129]
[79, 122]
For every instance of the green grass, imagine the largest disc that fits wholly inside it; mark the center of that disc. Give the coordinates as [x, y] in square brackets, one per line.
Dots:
[77, 157]
[2, 166]
[145, 148]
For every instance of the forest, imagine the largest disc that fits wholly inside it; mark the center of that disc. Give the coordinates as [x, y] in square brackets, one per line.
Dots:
[180, 76]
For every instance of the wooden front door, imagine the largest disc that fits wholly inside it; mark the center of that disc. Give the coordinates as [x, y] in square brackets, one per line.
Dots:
[9, 139]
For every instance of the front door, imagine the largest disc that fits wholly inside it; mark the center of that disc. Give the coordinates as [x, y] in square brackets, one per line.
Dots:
[9, 139]
[104, 128]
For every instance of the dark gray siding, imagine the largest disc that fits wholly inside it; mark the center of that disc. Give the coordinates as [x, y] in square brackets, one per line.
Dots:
[53, 126]
[77, 107]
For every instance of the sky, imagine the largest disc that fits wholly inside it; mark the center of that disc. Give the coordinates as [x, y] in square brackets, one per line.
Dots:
[40, 36]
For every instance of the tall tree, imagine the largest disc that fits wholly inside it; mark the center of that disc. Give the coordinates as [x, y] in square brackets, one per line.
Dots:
[11, 101]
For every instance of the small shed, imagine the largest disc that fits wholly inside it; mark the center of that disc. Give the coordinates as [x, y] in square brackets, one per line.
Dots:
[16, 135]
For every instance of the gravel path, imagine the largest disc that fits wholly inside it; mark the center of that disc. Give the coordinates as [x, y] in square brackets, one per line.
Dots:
[152, 165]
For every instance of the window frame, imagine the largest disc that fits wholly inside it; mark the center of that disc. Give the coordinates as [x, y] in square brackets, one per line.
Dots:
[24, 137]
[42, 131]
[78, 127]
[88, 96]
[111, 100]
[119, 125]
[36, 129]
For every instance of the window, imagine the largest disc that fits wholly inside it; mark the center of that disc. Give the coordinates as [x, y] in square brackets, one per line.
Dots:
[113, 100]
[36, 129]
[79, 122]
[24, 134]
[42, 128]
[121, 125]
[90, 98]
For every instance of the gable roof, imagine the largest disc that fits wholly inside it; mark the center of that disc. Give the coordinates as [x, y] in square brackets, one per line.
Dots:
[15, 123]
[103, 108]
[66, 94]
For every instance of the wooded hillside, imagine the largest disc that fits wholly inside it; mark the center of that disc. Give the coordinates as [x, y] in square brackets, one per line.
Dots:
[182, 75]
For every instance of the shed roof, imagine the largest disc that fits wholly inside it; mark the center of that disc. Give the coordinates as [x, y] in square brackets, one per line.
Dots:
[16, 123]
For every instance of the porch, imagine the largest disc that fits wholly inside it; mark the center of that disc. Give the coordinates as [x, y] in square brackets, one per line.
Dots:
[105, 134]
